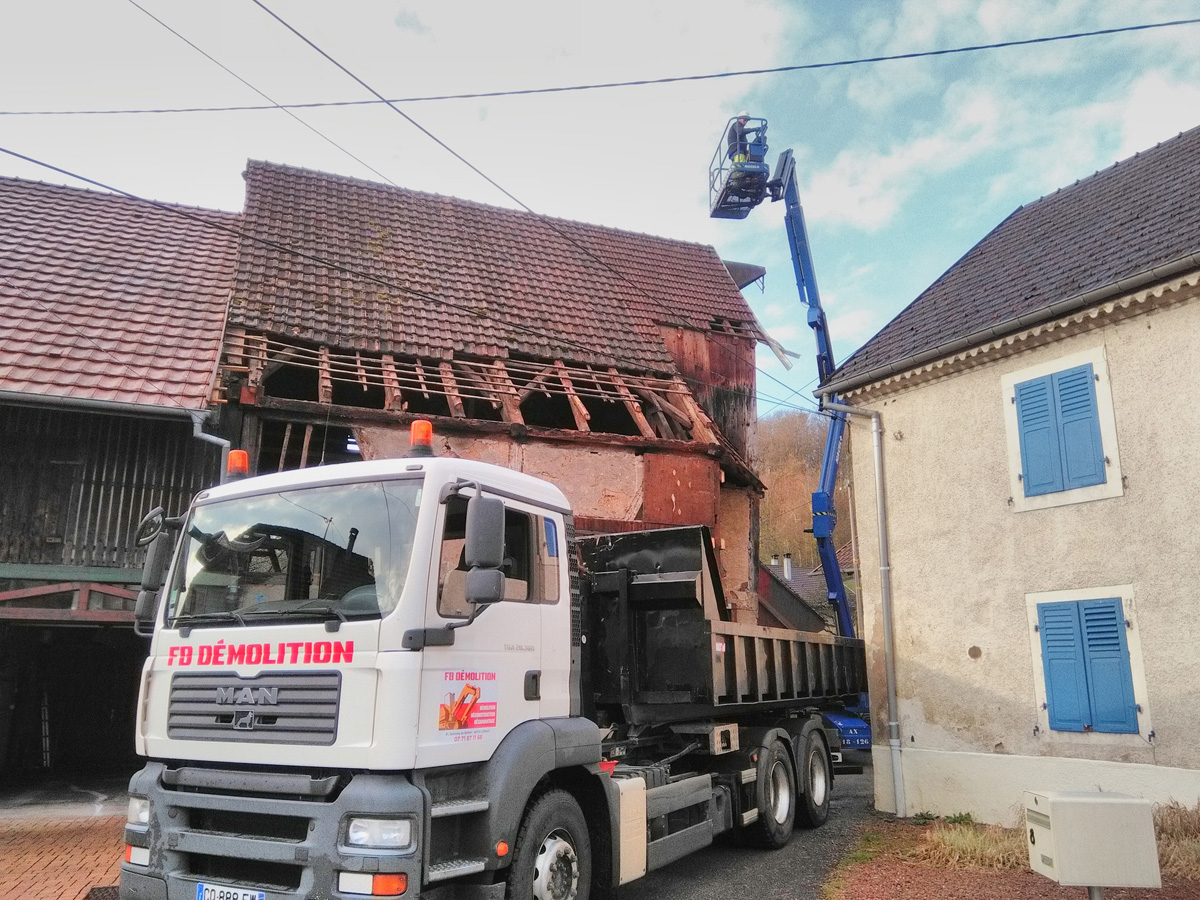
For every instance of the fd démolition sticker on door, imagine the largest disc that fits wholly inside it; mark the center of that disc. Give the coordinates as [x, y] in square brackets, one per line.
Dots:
[468, 704]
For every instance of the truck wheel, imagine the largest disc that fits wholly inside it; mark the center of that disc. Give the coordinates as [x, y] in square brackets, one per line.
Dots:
[776, 798]
[816, 781]
[553, 857]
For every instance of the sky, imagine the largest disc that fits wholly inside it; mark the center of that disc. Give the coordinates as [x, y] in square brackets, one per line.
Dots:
[903, 165]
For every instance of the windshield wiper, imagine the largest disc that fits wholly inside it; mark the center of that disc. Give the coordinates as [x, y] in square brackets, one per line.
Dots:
[326, 606]
[190, 619]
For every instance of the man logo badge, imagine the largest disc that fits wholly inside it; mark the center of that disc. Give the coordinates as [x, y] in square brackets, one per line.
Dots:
[244, 719]
[261, 696]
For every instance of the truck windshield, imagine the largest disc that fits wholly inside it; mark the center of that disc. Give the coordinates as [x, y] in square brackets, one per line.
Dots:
[337, 551]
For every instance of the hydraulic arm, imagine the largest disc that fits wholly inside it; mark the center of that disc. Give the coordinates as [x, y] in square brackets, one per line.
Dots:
[782, 186]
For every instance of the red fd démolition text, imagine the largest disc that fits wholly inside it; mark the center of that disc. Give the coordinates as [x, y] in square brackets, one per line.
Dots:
[279, 654]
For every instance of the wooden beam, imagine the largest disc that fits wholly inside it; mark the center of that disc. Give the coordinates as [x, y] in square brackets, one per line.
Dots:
[456, 404]
[256, 358]
[421, 379]
[392, 398]
[480, 382]
[95, 616]
[510, 406]
[704, 429]
[308, 430]
[324, 379]
[534, 385]
[287, 439]
[632, 405]
[235, 346]
[362, 373]
[577, 408]
[665, 406]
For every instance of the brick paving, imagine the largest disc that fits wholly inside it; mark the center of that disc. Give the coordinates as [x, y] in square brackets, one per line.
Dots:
[68, 857]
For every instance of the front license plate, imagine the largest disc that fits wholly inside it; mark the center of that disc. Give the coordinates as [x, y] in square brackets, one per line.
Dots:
[207, 891]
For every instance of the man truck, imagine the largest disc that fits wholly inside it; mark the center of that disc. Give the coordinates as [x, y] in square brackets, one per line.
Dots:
[409, 678]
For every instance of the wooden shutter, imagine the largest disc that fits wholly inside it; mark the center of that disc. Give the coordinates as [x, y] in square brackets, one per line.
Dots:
[1063, 663]
[1037, 424]
[1106, 656]
[1079, 428]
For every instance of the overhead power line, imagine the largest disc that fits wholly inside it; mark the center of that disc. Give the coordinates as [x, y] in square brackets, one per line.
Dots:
[274, 105]
[517, 200]
[607, 85]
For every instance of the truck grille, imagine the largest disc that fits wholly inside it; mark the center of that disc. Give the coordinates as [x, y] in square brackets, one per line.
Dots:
[277, 708]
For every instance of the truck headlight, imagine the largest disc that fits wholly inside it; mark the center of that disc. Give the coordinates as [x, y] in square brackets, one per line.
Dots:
[139, 812]
[390, 834]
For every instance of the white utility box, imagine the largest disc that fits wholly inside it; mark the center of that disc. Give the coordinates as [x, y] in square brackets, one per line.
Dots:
[1092, 839]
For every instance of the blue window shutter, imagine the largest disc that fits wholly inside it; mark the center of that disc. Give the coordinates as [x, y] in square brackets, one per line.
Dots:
[1106, 654]
[1079, 424]
[1037, 424]
[1063, 663]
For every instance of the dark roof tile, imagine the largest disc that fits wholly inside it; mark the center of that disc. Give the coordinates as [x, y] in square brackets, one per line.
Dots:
[1125, 220]
[456, 277]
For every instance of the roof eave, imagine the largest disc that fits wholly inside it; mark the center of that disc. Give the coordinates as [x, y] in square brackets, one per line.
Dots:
[1009, 326]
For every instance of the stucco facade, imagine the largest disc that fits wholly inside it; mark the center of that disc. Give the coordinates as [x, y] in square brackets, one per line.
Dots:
[971, 558]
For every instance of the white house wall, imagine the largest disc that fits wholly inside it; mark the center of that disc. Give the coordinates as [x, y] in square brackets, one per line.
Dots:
[967, 566]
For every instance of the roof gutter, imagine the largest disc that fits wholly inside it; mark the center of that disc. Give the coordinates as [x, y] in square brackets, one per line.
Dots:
[111, 406]
[1007, 327]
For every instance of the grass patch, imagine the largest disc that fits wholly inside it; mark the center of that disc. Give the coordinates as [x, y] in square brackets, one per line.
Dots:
[965, 845]
[1177, 828]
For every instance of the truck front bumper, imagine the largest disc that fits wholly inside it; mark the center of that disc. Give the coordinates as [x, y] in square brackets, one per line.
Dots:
[281, 833]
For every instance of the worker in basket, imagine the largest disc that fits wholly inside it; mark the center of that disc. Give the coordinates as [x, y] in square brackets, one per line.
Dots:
[738, 140]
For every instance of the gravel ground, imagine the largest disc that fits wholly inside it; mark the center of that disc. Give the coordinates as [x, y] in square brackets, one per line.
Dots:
[889, 877]
[796, 872]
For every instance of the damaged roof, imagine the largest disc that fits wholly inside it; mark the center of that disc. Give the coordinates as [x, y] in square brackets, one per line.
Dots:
[105, 298]
[426, 275]
[1137, 215]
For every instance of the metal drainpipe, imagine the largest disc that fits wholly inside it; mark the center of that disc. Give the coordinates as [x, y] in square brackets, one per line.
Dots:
[198, 417]
[885, 596]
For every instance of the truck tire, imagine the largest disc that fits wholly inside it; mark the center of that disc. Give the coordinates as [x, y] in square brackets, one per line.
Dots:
[553, 856]
[815, 781]
[776, 798]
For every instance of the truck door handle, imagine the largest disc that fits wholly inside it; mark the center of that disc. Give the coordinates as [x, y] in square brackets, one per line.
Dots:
[533, 684]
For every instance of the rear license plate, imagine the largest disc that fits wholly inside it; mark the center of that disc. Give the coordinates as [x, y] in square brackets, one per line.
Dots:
[206, 891]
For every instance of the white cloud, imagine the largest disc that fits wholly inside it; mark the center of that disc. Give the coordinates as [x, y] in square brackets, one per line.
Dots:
[867, 188]
[853, 328]
[1156, 109]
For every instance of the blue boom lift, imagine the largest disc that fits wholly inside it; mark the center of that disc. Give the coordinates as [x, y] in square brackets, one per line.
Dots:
[739, 180]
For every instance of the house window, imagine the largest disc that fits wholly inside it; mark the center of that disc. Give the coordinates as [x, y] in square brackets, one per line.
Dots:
[1060, 432]
[1062, 438]
[1086, 663]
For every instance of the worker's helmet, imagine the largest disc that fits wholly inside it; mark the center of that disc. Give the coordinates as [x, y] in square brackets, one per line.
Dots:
[743, 115]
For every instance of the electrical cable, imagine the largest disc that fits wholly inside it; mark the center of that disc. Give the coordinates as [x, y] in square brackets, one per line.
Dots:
[270, 100]
[645, 82]
[542, 219]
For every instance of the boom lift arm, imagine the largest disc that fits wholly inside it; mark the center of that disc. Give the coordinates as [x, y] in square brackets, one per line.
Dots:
[733, 193]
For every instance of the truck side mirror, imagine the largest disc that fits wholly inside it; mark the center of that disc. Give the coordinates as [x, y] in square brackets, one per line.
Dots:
[158, 554]
[485, 533]
[484, 586]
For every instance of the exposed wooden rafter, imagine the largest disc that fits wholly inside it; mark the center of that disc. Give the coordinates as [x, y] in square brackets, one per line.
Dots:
[324, 379]
[658, 407]
[578, 410]
[510, 406]
[632, 405]
[537, 383]
[451, 386]
[392, 398]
